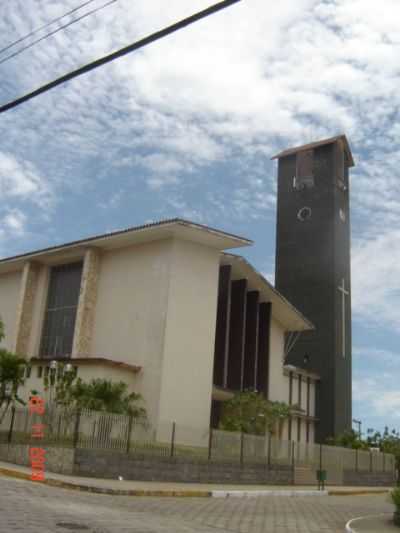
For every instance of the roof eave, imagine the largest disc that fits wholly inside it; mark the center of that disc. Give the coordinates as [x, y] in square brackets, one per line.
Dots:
[313, 145]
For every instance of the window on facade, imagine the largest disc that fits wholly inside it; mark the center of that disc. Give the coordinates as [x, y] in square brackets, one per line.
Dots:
[304, 178]
[62, 304]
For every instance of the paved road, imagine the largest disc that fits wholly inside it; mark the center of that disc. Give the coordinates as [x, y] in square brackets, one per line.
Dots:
[33, 508]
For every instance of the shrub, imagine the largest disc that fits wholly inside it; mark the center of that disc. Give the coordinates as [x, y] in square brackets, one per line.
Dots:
[395, 496]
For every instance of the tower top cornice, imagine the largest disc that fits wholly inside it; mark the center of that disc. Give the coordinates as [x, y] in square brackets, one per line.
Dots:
[311, 146]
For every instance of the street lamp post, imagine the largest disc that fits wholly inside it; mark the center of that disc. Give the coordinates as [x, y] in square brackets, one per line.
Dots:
[358, 422]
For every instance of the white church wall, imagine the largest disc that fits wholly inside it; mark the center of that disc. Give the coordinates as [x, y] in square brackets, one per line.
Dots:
[278, 382]
[9, 298]
[130, 313]
[187, 366]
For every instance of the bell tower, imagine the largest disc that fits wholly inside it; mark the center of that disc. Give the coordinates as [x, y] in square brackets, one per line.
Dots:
[312, 268]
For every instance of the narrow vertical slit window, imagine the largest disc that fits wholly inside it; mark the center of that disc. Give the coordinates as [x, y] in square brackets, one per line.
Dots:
[62, 304]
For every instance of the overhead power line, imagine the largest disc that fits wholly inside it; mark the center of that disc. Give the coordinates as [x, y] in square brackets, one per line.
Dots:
[119, 53]
[50, 23]
[61, 28]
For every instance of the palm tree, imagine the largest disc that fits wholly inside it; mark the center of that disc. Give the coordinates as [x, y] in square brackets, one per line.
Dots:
[104, 395]
[12, 369]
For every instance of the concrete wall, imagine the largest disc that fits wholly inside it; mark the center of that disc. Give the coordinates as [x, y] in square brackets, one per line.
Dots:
[278, 383]
[188, 356]
[9, 298]
[39, 311]
[111, 465]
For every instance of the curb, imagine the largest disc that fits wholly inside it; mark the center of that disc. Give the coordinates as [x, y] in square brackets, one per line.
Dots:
[349, 529]
[103, 490]
[268, 492]
[51, 482]
[164, 493]
[358, 492]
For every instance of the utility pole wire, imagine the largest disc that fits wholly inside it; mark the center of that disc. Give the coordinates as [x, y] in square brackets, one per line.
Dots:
[63, 27]
[119, 53]
[37, 30]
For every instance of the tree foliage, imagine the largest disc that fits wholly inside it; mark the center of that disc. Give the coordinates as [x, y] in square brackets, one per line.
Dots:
[12, 368]
[250, 412]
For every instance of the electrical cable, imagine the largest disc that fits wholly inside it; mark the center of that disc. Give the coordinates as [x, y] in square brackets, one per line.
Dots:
[63, 27]
[119, 53]
[37, 30]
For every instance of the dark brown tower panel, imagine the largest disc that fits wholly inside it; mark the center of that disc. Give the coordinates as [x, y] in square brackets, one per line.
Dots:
[237, 332]
[222, 325]
[251, 344]
[313, 268]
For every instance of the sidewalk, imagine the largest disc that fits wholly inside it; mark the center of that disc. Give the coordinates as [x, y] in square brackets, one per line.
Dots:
[372, 524]
[154, 488]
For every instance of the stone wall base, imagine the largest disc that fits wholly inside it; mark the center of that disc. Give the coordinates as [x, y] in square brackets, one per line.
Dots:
[111, 465]
[352, 478]
[59, 460]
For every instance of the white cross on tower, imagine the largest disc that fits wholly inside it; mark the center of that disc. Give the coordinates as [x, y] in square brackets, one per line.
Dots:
[344, 294]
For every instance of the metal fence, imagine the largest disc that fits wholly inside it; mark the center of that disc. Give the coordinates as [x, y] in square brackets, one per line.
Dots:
[121, 433]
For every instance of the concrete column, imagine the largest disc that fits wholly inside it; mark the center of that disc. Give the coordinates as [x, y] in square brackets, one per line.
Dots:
[87, 304]
[29, 283]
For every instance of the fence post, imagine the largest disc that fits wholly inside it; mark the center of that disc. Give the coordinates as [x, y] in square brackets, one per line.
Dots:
[128, 443]
[269, 450]
[384, 463]
[320, 456]
[370, 461]
[10, 431]
[356, 460]
[293, 461]
[241, 448]
[26, 426]
[76, 428]
[173, 439]
[210, 441]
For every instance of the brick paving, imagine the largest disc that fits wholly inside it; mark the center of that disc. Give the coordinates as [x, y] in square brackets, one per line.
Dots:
[33, 508]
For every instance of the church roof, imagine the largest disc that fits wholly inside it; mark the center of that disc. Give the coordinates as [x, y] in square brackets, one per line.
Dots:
[163, 229]
[284, 312]
[311, 146]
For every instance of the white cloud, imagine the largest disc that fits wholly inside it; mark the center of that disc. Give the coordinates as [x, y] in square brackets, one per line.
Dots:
[376, 279]
[20, 180]
[232, 88]
[12, 225]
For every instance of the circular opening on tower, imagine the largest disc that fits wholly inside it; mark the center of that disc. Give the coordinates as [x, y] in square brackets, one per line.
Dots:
[304, 214]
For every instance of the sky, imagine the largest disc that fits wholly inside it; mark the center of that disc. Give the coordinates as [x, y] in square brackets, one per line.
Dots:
[187, 126]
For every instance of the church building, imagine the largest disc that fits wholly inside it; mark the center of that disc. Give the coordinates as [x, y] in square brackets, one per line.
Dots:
[171, 311]
[168, 309]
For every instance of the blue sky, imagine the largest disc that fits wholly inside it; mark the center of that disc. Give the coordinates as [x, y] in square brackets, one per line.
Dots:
[187, 127]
